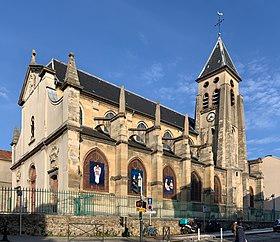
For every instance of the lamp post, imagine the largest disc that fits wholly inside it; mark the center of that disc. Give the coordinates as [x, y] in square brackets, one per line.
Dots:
[273, 200]
[140, 185]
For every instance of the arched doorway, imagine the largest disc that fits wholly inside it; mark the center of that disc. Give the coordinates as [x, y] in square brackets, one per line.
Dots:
[196, 187]
[217, 190]
[169, 183]
[96, 172]
[136, 170]
[32, 181]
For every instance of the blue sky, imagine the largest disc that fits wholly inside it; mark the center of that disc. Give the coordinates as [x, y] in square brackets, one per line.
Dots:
[155, 48]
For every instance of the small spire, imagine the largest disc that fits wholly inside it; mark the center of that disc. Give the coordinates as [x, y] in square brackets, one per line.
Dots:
[71, 75]
[186, 126]
[157, 114]
[16, 134]
[33, 58]
[122, 100]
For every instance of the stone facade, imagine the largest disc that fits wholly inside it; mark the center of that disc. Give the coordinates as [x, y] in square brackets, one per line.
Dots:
[73, 143]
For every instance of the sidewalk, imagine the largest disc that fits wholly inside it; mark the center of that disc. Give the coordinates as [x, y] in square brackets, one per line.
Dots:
[189, 237]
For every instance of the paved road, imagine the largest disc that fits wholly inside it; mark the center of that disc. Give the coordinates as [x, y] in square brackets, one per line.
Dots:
[266, 237]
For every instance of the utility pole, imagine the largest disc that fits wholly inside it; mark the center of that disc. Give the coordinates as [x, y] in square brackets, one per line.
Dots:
[140, 185]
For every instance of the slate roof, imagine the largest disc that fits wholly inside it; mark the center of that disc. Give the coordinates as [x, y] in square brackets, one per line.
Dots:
[218, 59]
[5, 155]
[108, 92]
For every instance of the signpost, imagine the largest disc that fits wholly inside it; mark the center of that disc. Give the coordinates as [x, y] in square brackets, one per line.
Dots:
[141, 202]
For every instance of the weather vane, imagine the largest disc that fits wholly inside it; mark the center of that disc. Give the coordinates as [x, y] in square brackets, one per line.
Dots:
[220, 20]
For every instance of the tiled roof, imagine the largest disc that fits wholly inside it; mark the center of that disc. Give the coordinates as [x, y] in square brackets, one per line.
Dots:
[109, 92]
[5, 155]
[218, 59]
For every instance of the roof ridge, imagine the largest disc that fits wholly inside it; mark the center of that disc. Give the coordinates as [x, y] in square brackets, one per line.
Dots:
[101, 79]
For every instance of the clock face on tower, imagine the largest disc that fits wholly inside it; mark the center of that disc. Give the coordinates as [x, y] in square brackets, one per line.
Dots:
[210, 117]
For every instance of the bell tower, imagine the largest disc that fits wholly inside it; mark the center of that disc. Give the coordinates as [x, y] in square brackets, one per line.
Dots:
[220, 121]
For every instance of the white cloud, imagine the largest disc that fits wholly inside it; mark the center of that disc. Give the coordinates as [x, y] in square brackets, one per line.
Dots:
[261, 90]
[266, 140]
[154, 73]
[4, 93]
[143, 38]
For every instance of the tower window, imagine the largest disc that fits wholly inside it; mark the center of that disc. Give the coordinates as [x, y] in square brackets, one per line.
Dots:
[231, 83]
[216, 79]
[232, 99]
[216, 97]
[205, 102]
[206, 84]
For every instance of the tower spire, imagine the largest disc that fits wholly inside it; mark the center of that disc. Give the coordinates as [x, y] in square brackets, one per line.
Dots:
[157, 114]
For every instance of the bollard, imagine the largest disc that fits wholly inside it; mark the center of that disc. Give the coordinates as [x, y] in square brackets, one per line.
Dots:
[198, 234]
[221, 234]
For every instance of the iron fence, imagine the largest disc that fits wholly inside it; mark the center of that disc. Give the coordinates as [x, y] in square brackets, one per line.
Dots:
[89, 203]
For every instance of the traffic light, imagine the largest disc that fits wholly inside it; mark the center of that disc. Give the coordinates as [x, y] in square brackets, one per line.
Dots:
[141, 204]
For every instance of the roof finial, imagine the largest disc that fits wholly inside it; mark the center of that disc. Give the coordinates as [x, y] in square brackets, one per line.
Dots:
[157, 115]
[33, 58]
[220, 20]
[186, 126]
[71, 75]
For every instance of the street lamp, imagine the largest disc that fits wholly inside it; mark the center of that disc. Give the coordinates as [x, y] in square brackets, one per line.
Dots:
[274, 212]
[140, 185]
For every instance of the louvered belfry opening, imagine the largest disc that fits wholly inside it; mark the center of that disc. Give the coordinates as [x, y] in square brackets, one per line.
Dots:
[216, 97]
[205, 102]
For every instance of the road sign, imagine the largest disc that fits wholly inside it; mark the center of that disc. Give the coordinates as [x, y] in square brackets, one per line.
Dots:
[143, 210]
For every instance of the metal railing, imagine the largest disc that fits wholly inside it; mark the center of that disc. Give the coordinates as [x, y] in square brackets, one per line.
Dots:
[92, 203]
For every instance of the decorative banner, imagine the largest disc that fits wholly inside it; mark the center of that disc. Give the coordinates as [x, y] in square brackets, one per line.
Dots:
[97, 173]
[168, 185]
[134, 176]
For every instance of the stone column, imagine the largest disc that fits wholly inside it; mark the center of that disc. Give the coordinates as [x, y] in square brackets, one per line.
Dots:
[119, 132]
[71, 116]
[155, 143]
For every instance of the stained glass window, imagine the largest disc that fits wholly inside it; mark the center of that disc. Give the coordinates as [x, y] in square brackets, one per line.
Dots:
[169, 183]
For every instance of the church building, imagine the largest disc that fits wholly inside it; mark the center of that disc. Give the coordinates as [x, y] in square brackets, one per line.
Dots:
[82, 133]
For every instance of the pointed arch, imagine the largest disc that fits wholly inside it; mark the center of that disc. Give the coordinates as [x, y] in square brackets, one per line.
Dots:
[96, 171]
[217, 190]
[169, 183]
[136, 169]
[251, 194]
[196, 187]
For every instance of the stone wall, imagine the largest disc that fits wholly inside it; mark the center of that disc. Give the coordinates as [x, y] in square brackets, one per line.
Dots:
[57, 225]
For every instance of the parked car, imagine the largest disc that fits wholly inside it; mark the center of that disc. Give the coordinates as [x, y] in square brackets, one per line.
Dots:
[276, 226]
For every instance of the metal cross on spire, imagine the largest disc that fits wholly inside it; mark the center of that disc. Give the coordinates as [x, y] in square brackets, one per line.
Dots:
[220, 20]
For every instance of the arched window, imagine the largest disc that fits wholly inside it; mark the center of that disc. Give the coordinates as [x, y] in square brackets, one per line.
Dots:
[205, 101]
[216, 79]
[81, 116]
[136, 174]
[217, 190]
[140, 137]
[167, 140]
[169, 183]
[96, 172]
[216, 97]
[232, 98]
[32, 127]
[108, 115]
[32, 180]
[251, 193]
[196, 187]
